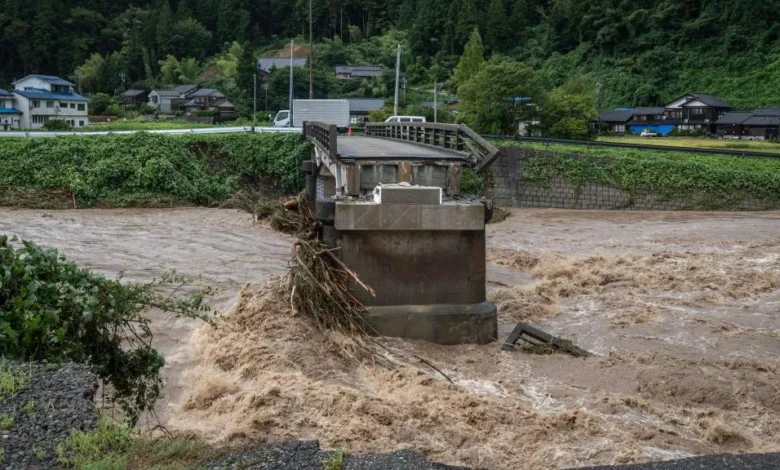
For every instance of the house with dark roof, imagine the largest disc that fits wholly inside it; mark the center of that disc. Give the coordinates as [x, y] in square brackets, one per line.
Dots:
[212, 101]
[348, 72]
[43, 98]
[266, 64]
[359, 108]
[134, 97]
[694, 111]
[9, 116]
[616, 120]
[761, 124]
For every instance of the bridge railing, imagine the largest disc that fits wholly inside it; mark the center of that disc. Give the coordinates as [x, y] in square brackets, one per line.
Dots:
[324, 136]
[454, 137]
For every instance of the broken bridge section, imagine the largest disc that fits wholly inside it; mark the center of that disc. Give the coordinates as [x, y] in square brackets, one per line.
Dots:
[390, 202]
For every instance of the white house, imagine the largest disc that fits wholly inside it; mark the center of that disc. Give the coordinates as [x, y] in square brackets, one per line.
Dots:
[43, 98]
[9, 116]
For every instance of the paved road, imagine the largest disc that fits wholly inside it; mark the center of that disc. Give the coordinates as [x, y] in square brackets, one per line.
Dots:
[375, 148]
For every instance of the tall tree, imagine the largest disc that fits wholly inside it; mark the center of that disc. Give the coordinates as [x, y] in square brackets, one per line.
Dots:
[499, 31]
[247, 68]
[472, 60]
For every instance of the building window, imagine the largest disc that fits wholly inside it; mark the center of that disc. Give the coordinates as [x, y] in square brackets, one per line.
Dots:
[81, 123]
[73, 106]
[50, 104]
[36, 104]
[63, 105]
[698, 111]
[40, 119]
[81, 107]
[620, 128]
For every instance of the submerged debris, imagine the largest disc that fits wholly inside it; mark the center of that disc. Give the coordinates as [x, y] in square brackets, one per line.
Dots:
[538, 338]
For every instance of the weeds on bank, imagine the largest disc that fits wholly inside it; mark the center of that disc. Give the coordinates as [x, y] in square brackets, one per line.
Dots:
[12, 380]
[6, 421]
[111, 446]
[334, 462]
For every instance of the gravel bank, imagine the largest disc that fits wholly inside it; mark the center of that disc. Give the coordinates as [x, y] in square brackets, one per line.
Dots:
[307, 455]
[55, 400]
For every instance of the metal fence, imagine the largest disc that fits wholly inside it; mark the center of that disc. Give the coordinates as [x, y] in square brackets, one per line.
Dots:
[660, 148]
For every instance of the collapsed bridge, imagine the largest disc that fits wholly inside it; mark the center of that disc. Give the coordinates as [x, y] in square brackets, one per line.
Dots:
[390, 201]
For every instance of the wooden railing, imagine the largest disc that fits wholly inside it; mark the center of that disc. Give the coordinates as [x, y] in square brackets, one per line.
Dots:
[324, 136]
[454, 137]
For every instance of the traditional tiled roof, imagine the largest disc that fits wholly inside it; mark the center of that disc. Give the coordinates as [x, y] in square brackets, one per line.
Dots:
[734, 118]
[615, 115]
[359, 70]
[364, 105]
[133, 92]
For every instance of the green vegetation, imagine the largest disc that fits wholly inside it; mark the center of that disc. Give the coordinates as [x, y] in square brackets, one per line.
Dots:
[722, 179]
[30, 409]
[111, 446]
[12, 378]
[334, 461]
[146, 170]
[640, 53]
[54, 311]
[39, 452]
[6, 421]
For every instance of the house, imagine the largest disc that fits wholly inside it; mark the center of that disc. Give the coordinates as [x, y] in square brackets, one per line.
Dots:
[616, 120]
[359, 108]
[210, 99]
[649, 118]
[266, 64]
[171, 100]
[134, 97]
[42, 98]
[348, 72]
[694, 111]
[761, 124]
[9, 116]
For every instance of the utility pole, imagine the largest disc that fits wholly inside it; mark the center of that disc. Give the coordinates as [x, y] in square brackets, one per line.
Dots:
[397, 79]
[435, 102]
[292, 47]
[254, 113]
[311, 55]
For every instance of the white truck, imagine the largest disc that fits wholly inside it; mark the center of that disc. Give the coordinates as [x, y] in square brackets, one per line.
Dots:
[327, 111]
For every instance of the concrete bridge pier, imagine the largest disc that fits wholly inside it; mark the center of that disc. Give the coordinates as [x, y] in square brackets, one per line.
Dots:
[426, 263]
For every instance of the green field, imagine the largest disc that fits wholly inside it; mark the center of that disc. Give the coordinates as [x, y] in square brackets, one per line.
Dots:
[697, 142]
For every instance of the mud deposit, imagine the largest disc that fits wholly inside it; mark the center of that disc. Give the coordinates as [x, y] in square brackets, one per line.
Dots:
[682, 310]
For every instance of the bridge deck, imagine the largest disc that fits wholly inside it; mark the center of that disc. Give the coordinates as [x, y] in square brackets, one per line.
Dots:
[374, 148]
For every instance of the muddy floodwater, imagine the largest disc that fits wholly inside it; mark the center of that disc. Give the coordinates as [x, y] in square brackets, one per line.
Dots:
[682, 312]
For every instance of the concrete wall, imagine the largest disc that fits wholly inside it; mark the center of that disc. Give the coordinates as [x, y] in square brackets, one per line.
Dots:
[511, 190]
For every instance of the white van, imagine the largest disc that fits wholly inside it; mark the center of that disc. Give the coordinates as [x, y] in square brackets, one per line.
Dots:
[405, 119]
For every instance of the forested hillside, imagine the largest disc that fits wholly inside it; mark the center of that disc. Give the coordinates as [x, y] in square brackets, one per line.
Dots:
[637, 53]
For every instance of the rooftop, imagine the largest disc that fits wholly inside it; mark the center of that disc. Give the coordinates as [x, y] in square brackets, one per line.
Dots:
[4, 93]
[358, 105]
[206, 92]
[167, 93]
[359, 70]
[50, 79]
[9, 111]
[734, 118]
[267, 63]
[615, 115]
[185, 89]
[47, 95]
[133, 92]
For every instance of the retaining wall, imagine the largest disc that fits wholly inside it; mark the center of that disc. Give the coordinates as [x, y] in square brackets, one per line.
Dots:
[510, 189]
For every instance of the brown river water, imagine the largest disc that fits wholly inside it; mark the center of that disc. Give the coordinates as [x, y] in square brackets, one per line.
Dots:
[681, 309]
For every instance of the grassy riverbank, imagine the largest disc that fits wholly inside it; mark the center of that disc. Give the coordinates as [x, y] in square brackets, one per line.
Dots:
[146, 170]
[697, 142]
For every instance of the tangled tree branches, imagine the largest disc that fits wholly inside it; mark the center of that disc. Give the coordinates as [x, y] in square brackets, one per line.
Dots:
[292, 216]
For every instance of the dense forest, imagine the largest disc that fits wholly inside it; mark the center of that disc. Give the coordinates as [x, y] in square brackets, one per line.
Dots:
[634, 53]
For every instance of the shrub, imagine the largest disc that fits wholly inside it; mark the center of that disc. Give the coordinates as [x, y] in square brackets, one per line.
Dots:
[56, 125]
[54, 311]
[115, 110]
[207, 113]
[99, 103]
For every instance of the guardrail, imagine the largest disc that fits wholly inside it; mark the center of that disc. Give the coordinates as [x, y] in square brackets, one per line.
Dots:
[202, 130]
[662, 148]
[324, 136]
[454, 137]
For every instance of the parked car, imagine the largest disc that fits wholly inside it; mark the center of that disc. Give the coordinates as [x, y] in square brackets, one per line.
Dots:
[648, 133]
[405, 119]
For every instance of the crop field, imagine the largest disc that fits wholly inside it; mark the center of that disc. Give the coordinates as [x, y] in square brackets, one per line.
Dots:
[697, 142]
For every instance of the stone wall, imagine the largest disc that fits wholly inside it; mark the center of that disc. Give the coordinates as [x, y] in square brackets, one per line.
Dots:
[511, 190]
